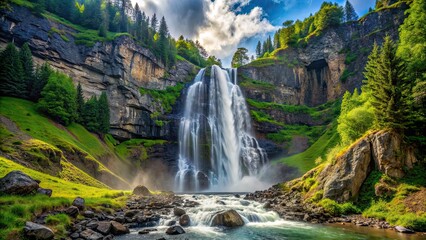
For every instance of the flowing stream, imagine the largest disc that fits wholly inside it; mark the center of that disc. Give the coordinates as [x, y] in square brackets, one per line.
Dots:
[260, 224]
[217, 148]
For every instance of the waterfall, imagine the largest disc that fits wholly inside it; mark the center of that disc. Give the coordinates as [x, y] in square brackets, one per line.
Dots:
[216, 143]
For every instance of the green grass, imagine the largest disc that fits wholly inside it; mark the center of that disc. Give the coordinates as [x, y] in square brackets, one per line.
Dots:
[74, 139]
[167, 98]
[337, 209]
[305, 161]
[15, 210]
[254, 84]
[263, 117]
[289, 131]
[273, 60]
[127, 148]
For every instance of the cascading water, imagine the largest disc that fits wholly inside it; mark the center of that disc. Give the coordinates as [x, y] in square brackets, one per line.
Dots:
[216, 144]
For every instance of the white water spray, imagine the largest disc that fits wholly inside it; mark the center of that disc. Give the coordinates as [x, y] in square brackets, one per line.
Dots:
[216, 145]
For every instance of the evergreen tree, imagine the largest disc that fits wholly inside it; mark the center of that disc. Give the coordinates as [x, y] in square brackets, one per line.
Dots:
[329, 15]
[350, 14]
[90, 115]
[388, 89]
[154, 23]
[259, 50]
[103, 112]
[12, 81]
[58, 98]
[80, 104]
[41, 77]
[28, 68]
[162, 44]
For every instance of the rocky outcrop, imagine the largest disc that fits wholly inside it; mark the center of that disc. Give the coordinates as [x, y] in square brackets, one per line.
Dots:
[141, 190]
[312, 75]
[120, 67]
[18, 183]
[383, 150]
[37, 231]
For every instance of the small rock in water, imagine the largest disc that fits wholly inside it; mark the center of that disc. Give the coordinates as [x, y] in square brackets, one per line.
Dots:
[184, 220]
[37, 231]
[18, 183]
[237, 195]
[171, 223]
[178, 211]
[47, 192]
[403, 229]
[244, 202]
[175, 230]
[141, 190]
[72, 211]
[78, 202]
[146, 231]
[220, 202]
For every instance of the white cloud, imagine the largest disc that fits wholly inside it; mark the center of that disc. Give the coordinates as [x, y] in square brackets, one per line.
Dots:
[219, 25]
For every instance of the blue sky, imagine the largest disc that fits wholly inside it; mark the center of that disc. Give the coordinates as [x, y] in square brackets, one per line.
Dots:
[224, 25]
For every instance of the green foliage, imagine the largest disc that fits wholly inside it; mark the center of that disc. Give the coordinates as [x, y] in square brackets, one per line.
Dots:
[167, 98]
[57, 219]
[337, 209]
[12, 79]
[136, 149]
[80, 104]
[240, 58]
[262, 117]
[58, 98]
[356, 117]
[329, 15]
[42, 75]
[345, 75]
[27, 67]
[350, 58]
[287, 133]
[192, 51]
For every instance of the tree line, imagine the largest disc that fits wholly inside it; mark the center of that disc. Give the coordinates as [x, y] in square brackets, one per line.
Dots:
[53, 91]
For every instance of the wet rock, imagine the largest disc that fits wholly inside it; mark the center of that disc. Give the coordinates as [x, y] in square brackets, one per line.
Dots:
[93, 224]
[175, 230]
[171, 223]
[75, 235]
[18, 183]
[237, 195]
[178, 211]
[89, 234]
[88, 214]
[131, 213]
[141, 190]
[118, 228]
[220, 202]
[184, 220]
[47, 192]
[37, 231]
[78, 202]
[72, 211]
[267, 205]
[146, 231]
[403, 229]
[104, 228]
[229, 218]
[244, 202]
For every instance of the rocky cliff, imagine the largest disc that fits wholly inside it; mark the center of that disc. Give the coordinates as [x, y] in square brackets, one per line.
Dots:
[120, 67]
[327, 66]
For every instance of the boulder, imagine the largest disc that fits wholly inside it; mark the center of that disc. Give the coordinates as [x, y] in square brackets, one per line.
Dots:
[184, 220]
[118, 228]
[178, 211]
[131, 213]
[229, 218]
[37, 231]
[175, 230]
[44, 191]
[403, 229]
[18, 183]
[245, 202]
[89, 234]
[104, 228]
[72, 211]
[141, 190]
[78, 202]
[88, 214]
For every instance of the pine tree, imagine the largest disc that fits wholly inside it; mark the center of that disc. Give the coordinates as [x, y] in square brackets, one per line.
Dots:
[41, 77]
[350, 14]
[259, 50]
[154, 23]
[162, 44]
[90, 115]
[79, 103]
[103, 111]
[388, 89]
[28, 68]
[12, 82]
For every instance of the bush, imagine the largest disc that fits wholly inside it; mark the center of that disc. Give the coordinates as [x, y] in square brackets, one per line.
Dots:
[337, 209]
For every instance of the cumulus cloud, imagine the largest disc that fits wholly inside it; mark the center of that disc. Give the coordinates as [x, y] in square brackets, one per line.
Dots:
[219, 25]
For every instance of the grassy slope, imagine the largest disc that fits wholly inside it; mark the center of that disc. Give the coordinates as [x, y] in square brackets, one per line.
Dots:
[25, 115]
[15, 210]
[305, 161]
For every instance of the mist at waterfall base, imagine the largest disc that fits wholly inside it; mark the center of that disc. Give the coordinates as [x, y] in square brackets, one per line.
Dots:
[217, 148]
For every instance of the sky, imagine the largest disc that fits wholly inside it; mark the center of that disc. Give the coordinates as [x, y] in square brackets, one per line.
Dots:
[222, 26]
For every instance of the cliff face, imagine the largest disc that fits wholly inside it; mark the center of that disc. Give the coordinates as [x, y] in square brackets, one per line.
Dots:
[119, 67]
[328, 66]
